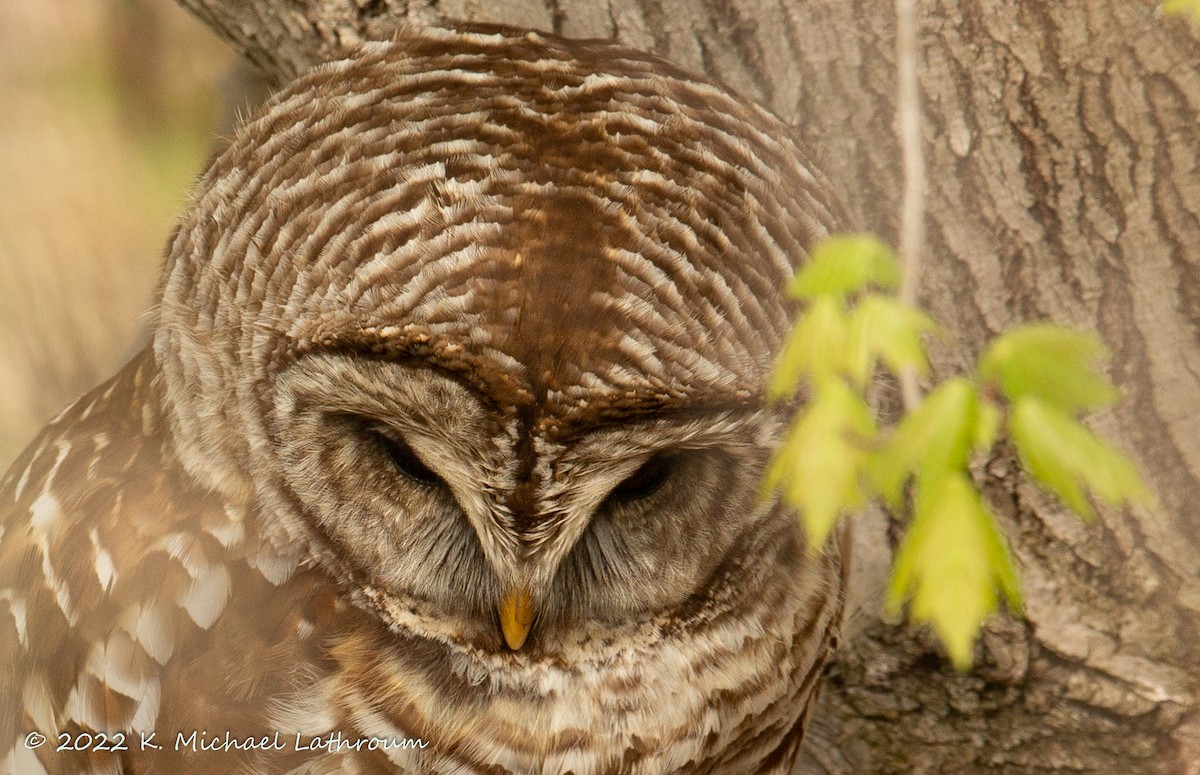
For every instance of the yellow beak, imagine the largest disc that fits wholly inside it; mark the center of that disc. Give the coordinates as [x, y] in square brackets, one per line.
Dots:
[516, 617]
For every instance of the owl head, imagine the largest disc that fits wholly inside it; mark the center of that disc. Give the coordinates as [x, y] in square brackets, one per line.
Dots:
[479, 321]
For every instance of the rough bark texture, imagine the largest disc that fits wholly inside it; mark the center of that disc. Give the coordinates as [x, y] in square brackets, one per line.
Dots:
[1063, 143]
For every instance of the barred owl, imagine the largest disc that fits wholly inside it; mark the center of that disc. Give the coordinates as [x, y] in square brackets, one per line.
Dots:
[450, 430]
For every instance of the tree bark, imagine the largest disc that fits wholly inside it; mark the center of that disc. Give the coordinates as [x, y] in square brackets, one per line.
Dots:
[1062, 143]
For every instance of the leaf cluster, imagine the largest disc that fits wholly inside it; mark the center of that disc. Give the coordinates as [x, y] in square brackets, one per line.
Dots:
[953, 564]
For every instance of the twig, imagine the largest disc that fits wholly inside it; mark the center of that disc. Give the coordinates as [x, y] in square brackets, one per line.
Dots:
[912, 208]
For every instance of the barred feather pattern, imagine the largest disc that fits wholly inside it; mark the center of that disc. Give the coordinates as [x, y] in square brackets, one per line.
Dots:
[543, 261]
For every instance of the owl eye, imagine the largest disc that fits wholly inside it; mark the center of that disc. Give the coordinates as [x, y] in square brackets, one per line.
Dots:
[647, 480]
[407, 462]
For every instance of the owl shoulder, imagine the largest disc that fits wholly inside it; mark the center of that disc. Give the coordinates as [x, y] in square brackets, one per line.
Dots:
[133, 599]
[107, 557]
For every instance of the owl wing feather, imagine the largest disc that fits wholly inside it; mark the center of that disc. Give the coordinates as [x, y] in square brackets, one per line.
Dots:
[117, 573]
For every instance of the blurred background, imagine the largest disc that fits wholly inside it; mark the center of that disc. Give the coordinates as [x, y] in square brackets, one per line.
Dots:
[108, 111]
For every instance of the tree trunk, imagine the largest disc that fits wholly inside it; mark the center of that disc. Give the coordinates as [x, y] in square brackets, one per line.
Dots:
[1062, 143]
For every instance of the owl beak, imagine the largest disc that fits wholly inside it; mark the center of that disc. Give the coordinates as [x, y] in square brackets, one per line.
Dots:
[516, 617]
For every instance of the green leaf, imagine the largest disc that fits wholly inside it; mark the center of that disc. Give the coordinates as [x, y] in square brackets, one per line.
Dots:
[1051, 363]
[1185, 7]
[883, 328]
[935, 438]
[987, 425]
[952, 564]
[816, 349]
[845, 264]
[819, 467]
[1066, 458]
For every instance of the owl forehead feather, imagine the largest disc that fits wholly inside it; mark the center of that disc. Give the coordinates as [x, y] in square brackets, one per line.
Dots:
[588, 219]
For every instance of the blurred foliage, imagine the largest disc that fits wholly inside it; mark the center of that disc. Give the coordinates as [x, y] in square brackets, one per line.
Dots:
[953, 565]
[1183, 7]
[110, 112]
